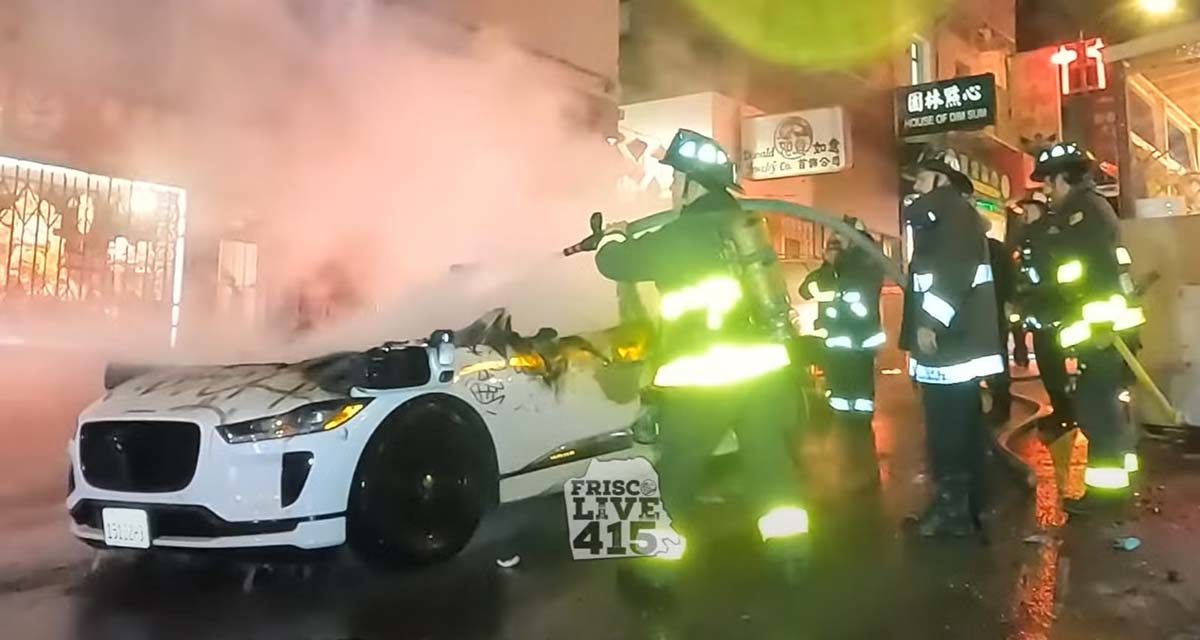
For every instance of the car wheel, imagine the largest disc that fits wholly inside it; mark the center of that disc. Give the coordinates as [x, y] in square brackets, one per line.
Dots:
[423, 483]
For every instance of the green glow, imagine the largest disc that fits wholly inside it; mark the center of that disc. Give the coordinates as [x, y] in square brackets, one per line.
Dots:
[820, 33]
[717, 296]
[1104, 310]
[722, 365]
[1070, 272]
[1106, 477]
[1132, 464]
[1074, 334]
[1129, 319]
[783, 522]
[1123, 257]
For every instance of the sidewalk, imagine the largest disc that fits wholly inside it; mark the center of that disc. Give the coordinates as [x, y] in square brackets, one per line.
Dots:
[1088, 588]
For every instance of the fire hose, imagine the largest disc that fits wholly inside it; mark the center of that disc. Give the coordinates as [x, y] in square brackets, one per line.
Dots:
[891, 269]
[790, 209]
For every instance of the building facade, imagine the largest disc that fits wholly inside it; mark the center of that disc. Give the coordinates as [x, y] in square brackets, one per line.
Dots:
[132, 176]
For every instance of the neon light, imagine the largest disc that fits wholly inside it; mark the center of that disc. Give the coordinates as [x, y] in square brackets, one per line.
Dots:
[1132, 464]
[1095, 52]
[1063, 58]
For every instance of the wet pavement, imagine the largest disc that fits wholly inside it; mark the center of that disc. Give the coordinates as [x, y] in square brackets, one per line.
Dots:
[868, 579]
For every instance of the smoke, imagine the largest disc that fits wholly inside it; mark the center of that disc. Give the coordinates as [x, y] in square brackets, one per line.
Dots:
[365, 148]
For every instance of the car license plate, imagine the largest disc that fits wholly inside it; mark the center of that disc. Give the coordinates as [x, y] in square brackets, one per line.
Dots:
[126, 528]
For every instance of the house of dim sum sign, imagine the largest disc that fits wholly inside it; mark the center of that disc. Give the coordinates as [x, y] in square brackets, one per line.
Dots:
[947, 105]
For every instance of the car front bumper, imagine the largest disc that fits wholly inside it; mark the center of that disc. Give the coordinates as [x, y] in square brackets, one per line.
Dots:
[237, 497]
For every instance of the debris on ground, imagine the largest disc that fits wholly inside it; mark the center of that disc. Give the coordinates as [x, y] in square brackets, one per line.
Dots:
[1127, 543]
[508, 563]
[1174, 577]
[1039, 538]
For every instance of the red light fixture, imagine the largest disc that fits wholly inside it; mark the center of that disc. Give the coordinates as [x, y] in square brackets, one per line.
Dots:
[1081, 73]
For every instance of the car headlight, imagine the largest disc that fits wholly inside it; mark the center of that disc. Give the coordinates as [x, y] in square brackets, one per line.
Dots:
[313, 418]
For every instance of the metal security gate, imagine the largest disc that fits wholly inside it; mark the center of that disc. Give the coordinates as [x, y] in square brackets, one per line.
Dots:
[71, 241]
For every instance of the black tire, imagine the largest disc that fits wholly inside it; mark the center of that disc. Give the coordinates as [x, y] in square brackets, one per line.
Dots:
[424, 482]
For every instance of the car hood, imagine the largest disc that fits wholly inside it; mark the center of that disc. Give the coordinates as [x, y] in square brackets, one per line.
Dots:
[226, 393]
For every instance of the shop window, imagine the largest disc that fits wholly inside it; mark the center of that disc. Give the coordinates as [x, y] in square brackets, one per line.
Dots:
[67, 236]
[920, 61]
[791, 249]
[626, 18]
[1141, 118]
[1178, 145]
[237, 278]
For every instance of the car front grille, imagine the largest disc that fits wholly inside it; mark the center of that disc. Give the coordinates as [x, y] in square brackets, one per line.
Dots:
[139, 456]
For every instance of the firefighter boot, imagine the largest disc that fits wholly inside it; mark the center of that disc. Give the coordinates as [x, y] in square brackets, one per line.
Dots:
[1098, 503]
[950, 513]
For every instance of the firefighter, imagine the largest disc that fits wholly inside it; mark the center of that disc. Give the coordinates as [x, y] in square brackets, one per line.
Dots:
[949, 330]
[851, 318]
[1039, 306]
[716, 368]
[1000, 385]
[821, 284]
[1091, 273]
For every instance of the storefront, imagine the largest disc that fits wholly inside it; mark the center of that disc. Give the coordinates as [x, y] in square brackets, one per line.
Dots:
[1158, 80]
[961, 117]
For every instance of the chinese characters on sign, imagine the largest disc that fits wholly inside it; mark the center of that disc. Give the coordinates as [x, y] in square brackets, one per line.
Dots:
[1081, 66]
[960, 103]
[796, 144]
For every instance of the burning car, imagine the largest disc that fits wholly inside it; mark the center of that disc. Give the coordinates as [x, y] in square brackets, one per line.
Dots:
[398, 451]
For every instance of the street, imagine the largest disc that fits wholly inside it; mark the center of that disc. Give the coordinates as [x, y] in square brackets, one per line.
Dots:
[868, 579]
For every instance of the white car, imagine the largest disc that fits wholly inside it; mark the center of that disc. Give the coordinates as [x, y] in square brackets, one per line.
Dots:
[398, 451]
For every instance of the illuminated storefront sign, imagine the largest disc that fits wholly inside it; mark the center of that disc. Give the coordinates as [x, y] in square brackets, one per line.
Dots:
[1081, 66]
[948, 105]
[801, 143]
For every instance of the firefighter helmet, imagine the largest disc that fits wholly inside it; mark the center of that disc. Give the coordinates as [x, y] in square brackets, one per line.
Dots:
[1064, 156]
[858, 225]
[946, 163]
[701, 159]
